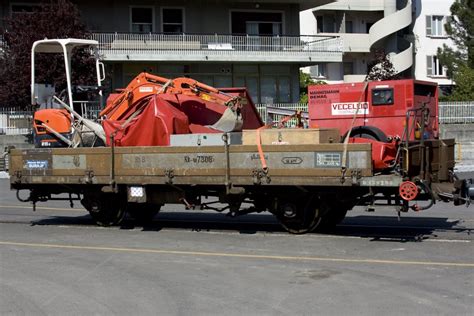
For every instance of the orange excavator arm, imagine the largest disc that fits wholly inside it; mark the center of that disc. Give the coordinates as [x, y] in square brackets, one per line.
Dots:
[142, 86]
[121, 105]
[145, 85]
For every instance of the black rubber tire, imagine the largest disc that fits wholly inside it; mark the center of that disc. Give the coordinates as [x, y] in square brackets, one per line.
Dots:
[106, 209]
[306, 218]
[143, 213]
[368, 132]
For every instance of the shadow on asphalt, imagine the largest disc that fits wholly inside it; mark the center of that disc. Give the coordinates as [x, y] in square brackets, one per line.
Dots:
[375, 228]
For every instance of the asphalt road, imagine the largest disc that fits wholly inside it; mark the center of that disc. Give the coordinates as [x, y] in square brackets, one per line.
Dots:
[56, 261]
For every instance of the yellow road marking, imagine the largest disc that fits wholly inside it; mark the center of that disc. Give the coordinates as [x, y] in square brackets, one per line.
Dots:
[43, 208]
[242, 255]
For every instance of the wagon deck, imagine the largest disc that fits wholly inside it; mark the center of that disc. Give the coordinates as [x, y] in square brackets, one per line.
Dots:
[287, 164]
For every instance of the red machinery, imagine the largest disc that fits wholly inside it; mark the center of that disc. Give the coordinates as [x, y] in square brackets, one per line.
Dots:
[383, 107]
[152, 108]
[380, 112]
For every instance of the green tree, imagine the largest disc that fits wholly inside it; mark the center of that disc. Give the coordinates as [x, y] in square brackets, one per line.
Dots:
[305, 81]
[381, 67]
[459, 60]
[51, 19]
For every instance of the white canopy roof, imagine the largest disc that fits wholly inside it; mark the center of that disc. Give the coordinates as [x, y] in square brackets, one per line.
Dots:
[58, 45]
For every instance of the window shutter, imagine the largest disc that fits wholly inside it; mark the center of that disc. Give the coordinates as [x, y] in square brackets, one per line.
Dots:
[428, 25]
[429, 65]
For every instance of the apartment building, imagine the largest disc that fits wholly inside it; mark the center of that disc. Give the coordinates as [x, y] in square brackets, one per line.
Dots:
[429, 35]
[409, 31]
[222, 43]
[364, 26]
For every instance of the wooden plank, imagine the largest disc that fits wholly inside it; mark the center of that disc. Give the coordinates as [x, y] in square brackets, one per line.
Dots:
[292, 136]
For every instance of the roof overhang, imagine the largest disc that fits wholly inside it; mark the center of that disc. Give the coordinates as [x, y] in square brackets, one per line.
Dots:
[304, 4]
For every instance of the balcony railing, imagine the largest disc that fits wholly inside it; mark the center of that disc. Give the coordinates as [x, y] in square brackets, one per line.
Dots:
[15, 121]
[456, 112]
[200, 47]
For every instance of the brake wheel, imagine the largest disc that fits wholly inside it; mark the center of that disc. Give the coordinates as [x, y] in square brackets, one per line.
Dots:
[408, 190]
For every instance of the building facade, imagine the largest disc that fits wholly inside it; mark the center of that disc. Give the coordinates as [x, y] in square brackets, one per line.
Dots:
[429, 35]
[222, 43]
[364, 26]
[409, 31]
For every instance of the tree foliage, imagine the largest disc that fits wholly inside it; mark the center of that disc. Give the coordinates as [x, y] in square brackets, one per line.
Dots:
[51, 19]
[464, 89]
[459, 60]
[381, 67]
[305, 81]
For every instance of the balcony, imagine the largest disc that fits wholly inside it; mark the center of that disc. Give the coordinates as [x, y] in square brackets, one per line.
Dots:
[345, 5]
[228, 48]
[353, 42]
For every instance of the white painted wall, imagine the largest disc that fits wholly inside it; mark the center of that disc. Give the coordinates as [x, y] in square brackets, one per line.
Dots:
[307, 22]
[426, 45]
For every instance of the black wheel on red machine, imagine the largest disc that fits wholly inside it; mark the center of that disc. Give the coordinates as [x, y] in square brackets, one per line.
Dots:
[106, 209]
[299, 217]
[368, 132]
[143, 213]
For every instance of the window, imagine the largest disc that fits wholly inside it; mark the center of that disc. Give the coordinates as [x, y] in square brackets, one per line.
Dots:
[284, 93]
[435, 25]
[257, 23]
[434, 67]
[382, 96]
[318, 71]
[141, 19]
[348, 68]
[173, 20]
[269, 90]
[349, 27]
[275, 89]
[263, 28]
[326, 24]
[249, 82]
[368, 25]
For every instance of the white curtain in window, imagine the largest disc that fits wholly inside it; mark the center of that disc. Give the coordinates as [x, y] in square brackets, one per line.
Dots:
[276, 28]
[252, 28]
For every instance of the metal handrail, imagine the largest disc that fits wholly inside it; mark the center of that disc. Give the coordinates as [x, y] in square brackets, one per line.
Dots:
[137, 42]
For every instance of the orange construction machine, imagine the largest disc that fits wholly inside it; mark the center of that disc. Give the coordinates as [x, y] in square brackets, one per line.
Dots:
[54, 124]
[145, 113]
[152, 108]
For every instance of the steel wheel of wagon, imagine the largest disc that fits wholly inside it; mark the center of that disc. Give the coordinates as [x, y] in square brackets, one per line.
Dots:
[143, 212]
[332, 218]
[300, 217]
[106, 209]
